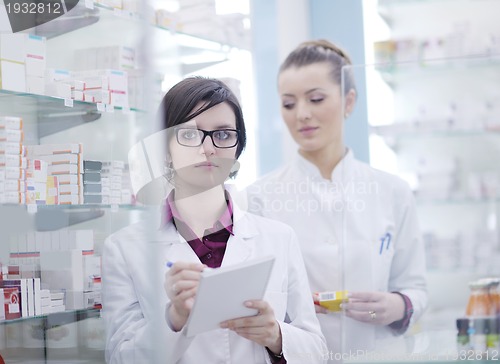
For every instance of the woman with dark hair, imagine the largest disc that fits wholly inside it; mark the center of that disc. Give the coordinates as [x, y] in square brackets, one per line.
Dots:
[357, 226]
[203, 227]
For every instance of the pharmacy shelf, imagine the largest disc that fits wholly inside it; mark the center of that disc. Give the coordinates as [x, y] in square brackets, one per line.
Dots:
[440, 65]
[92, 206]
[416, 134]
[388, 3]
[44, 219]
[54, 217]
[54, 104]
[456, 202]
[77, 18]
[183, 38]
[129, 29]
[56, 114]
[385, 6]
[59, 218]
[59, 318]
[45, 104]
[186, 48]
[394, 73]
[399, 2]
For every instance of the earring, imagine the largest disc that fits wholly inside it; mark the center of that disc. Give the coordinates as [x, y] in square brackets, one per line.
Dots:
[346, 115]
[169, 171]
[234, 169]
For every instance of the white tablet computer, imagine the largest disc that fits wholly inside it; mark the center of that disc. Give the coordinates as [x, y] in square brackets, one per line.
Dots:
[223, 291]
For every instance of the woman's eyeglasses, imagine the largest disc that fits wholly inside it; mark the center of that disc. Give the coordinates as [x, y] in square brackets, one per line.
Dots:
[221, 138]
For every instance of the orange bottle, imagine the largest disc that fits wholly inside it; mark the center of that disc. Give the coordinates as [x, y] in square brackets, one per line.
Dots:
[494, 291]
[480, 303]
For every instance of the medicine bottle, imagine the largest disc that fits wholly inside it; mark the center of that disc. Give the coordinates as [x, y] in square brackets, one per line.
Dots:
[479, 304]
[463, 340]
[493, 338]
[478, 331]
[494, 290]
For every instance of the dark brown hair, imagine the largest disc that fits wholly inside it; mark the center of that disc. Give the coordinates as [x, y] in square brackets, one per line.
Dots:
[316, 51]
[181, 99]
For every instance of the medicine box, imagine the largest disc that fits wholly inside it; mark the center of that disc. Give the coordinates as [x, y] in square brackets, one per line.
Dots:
[331, 300]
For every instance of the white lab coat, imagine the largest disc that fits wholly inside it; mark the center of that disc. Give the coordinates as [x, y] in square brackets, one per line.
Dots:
[134, 299]
[357, 232]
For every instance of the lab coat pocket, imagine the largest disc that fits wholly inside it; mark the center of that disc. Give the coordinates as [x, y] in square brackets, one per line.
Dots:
[383, 268]
[278, 301]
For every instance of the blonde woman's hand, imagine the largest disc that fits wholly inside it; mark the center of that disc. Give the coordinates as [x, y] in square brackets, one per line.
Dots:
[317, 307]
[378, 308]
[261, 328]
[181, 285]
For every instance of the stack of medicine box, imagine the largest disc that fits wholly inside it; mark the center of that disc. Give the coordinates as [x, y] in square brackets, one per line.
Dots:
[9, 298]
[56, 302]
[41, 189]
[11, 309]
[26, 247]
[112, 174]
[127, 196]
[113, 63]
[199, 18]
[12, 62]
[92, 281]
[65, 261]
[35, 50]
[64, 162]
[113, 57]
[92, 187]
[71, 268]
[13, 281]
[138, 93]
[51, 302]
[113, 88]
[106, 86]
[166, 19]
[58, 83]
[90, 89]
[22, 62]
[13, 161]
[193, 12]
[28, 287]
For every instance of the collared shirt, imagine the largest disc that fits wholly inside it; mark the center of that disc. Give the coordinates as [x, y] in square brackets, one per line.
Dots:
[212, 246]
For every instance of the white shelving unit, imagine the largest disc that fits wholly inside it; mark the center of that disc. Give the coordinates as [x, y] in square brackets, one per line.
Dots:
[434, 112]
[107, 133]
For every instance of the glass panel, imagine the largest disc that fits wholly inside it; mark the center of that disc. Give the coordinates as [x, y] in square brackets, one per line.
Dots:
[86, 168]
[66, 186]
[428, 129]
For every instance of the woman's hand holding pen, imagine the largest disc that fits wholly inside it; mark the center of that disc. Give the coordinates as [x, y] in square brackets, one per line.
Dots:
[181, 285]
[262, 328]
[379, 308]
